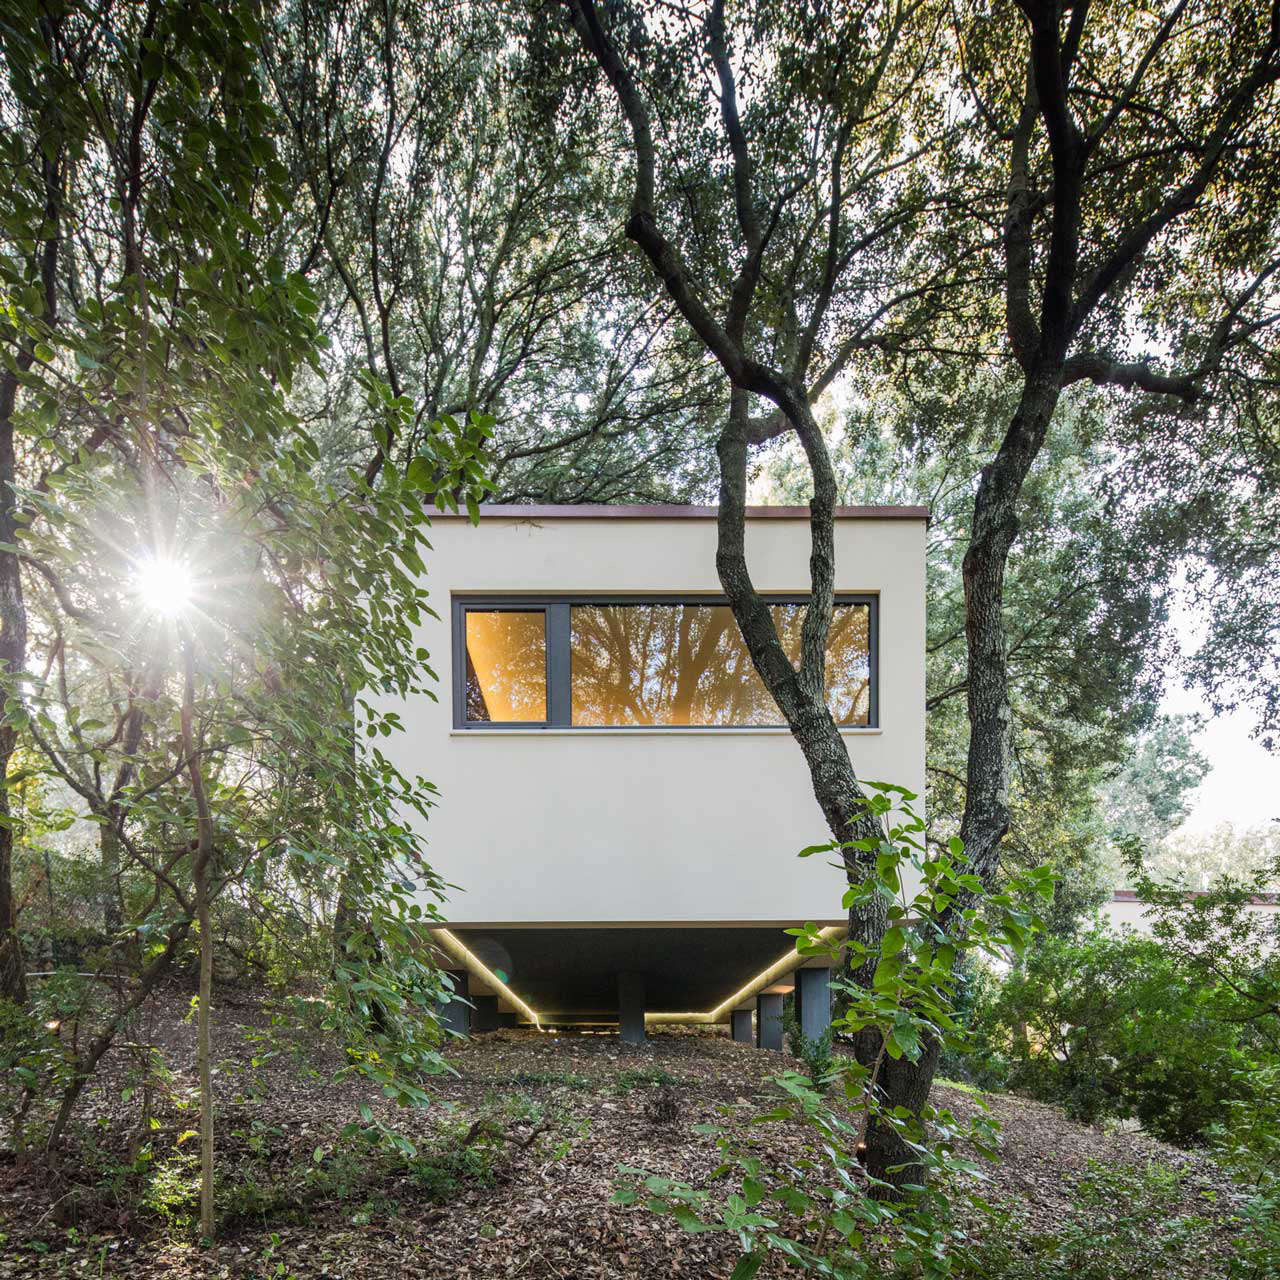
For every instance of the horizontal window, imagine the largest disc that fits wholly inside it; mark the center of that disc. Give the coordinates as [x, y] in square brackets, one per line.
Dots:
[657, 663]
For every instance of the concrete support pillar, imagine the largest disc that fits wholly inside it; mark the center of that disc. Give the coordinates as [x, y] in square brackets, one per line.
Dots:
[768, 1021]
[484, 1016]
[455, 1014]
[813, 1001]
[631, 1008]
[742, 1029]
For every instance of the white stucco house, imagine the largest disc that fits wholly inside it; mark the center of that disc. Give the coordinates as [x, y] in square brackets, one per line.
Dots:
[620, 809]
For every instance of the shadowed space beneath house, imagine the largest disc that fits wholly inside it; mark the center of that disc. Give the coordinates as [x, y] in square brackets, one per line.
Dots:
[573, 973]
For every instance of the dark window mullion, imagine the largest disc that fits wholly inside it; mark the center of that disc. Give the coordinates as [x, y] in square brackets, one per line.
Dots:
[873, 663]
[559, 699]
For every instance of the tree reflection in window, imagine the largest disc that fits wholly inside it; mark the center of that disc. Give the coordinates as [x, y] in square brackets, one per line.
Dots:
[506, 666]
[686, 664]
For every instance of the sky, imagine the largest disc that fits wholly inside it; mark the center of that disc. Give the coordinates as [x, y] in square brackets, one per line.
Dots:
[1243, 783]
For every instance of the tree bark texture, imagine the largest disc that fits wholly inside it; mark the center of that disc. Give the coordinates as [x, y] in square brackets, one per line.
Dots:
[13, 657]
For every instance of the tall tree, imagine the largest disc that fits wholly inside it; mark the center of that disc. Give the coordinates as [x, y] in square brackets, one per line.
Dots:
[1107, 179]
[1135, 152]
[1087, 609]
[783, 216]
[1114, 184]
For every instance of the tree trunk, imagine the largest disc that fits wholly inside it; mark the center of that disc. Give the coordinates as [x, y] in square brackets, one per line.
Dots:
[901, 1083]
[801, 697]
[13, 609]
[109, 867]
[203, 1062]
[986, 811]
[13, 657]
[204, 868]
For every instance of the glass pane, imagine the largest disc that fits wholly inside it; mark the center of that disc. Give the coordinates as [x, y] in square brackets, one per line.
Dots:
[506, 665]
[686, 664]
[849, 664]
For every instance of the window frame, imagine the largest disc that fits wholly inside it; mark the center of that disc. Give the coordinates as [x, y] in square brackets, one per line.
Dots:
[556, 606]
[505, 604]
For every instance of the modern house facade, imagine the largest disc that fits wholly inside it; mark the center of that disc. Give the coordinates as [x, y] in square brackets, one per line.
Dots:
[620, 807]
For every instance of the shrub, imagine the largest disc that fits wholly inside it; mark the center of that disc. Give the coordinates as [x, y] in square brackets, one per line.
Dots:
[1114, 1025]
[38, 1053]
[976, 1055]
[29, 1055]
[1248, 1144]
[1171, 1029]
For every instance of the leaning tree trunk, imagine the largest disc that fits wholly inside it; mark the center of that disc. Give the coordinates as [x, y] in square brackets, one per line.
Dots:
[13, 657]
[801, 697]
[87, 1063]
[986, 810]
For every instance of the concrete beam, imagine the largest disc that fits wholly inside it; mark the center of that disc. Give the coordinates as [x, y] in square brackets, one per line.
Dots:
[742, 1029]
[768, 1021]
[631, 1008]
[813, 1001]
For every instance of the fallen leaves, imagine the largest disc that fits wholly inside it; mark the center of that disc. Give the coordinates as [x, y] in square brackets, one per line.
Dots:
[559, 1113]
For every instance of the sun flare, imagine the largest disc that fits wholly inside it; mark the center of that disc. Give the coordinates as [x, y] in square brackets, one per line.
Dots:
[163, 586]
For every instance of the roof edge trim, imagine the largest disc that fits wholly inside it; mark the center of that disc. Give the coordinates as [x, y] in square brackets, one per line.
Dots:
[668, 511]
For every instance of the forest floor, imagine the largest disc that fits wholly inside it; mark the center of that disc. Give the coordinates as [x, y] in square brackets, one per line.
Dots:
[298, 1200]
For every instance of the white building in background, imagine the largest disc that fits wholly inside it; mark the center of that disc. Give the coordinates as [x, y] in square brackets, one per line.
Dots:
[1124, 911]
[620, 808]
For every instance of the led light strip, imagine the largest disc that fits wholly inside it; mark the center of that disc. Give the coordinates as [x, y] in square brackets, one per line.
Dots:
[461, 952]
[787, 963]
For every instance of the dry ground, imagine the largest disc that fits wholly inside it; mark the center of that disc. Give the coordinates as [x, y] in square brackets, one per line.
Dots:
[574, 1107]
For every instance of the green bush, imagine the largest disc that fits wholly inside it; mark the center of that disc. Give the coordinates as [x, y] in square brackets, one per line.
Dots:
[38, 1047]
[975, 1055]
[1248, 1144]
[1116, 1025]
[441, 1172]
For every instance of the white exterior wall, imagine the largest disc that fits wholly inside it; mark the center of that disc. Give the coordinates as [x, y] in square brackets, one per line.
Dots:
[1129, 913]
[639, 825]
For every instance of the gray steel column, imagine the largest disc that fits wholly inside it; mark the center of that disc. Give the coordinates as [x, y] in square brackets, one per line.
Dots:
[768, 1022]
[813, 1002]
[742, 1030]
[631, 1008]
[484, 1016]
[455, 1014]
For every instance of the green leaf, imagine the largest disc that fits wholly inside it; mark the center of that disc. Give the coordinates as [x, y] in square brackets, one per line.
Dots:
[893, 941]
[689, 1220]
